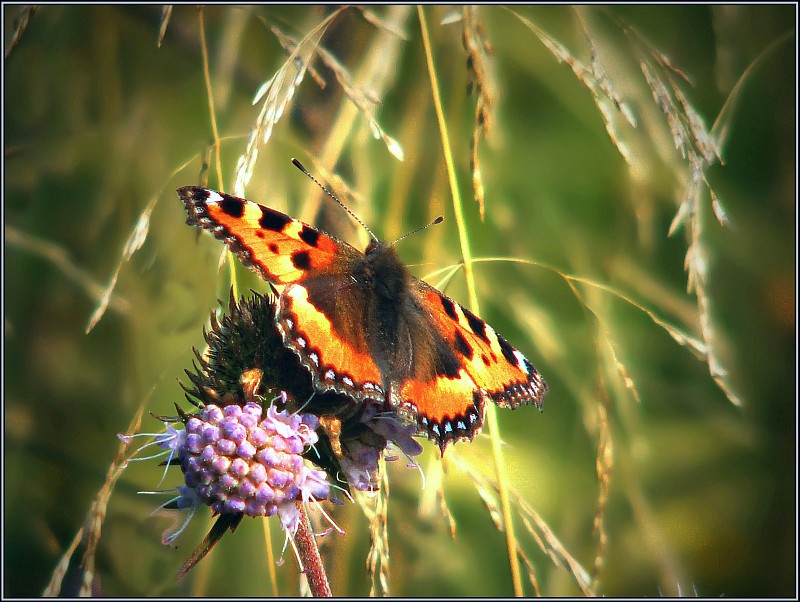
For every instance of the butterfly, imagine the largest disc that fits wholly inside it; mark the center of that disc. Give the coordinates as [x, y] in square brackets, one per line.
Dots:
[364, 327]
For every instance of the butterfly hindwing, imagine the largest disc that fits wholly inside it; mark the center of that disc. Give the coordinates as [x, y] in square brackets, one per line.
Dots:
[323, 321]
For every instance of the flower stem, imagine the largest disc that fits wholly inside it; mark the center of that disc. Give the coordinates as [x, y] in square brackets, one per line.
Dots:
[312, 561]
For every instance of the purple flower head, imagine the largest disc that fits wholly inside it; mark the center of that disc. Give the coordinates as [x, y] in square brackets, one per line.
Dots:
[243, 461]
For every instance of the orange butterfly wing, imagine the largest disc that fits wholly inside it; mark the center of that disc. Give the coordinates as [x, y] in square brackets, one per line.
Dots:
[283, 250]
[330, 343]
[278, 248]
[449, 400]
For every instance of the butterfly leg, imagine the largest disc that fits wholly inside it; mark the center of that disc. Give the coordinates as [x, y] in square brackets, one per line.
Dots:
[333, 429]
[251, 381]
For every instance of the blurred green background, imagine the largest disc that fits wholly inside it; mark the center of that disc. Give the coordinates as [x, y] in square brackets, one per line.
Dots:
[695, 494]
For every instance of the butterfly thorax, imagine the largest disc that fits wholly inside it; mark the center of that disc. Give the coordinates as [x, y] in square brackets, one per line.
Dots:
[384, 275]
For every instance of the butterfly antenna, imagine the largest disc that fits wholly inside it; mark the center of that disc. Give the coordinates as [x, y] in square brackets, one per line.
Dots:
[299, 166]
[438, 220]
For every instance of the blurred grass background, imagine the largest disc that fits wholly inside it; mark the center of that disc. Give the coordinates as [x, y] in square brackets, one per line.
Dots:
[655, 477]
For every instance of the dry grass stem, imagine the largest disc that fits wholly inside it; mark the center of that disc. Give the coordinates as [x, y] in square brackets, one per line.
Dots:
[21, 22]
[89, 533]
[289, 44]
[481, 68]
[722, 124]
[466, 253]
[375, 507]
[553, 547]
[700, 149]
[531, 570]
[277, 93]
[377, 73]
[388, 26]
[212, 113]
[696, 345]
[364, 99]
[166, 15]
[594, 78]
[433, 501]
[604, 465]
[61, 260]
[134, 242]
[338, 185]
[533, 523]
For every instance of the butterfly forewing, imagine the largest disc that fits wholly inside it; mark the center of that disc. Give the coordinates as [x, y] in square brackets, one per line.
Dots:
[278, 248]
[504, 373]
[472, 364]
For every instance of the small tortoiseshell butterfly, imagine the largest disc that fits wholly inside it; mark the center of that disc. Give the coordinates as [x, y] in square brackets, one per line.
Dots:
[366, 328]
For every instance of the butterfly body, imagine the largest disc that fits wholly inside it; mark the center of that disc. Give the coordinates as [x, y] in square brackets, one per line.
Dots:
[364, 327]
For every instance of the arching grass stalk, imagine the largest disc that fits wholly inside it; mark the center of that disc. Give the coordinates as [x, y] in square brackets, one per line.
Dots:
[214, 131]
[491, 418]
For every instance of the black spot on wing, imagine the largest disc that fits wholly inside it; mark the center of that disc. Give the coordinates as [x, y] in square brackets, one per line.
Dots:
[301, 260]
[446, 364]
[273, 220]
[309, 236]
[508, 351]
[477, 325]
[273, 248]
[462, 346]
[449, 307]
[232, 206]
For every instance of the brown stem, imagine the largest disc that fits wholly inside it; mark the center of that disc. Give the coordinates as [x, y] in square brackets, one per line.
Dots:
[309, 555]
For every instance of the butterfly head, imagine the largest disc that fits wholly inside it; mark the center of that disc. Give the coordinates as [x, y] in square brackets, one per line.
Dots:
[383, 272]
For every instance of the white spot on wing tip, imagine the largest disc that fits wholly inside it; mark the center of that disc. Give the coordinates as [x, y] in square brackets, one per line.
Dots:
[523, 363]
[214, 197]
